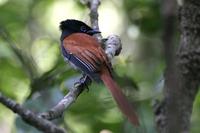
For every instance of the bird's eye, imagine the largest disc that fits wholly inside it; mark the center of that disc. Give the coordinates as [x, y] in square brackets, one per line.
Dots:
[83, 29]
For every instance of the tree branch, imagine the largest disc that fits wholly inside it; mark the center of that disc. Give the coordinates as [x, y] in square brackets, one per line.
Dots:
[112, 46]
[70, 98]
[29, 117]
[93, 5]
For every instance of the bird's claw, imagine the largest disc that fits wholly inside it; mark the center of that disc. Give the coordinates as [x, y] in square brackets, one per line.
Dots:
[77, 84]
[84, 82]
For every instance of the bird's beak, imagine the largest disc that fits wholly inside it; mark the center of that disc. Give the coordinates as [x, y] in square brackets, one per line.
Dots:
[93, 31]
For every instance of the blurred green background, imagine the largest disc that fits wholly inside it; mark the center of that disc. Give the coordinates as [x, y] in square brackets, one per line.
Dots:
[33, 72]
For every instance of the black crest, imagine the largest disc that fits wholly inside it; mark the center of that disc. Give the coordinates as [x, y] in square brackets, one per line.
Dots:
[74, 25]
[71, 26]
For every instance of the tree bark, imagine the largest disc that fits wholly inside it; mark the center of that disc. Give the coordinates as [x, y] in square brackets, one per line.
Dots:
[182, 74]
[29, 117]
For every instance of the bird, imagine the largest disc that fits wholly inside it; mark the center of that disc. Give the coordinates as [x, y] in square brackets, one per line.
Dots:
[82, 50]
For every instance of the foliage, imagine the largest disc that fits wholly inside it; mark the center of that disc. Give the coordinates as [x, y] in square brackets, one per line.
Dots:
[33, 72]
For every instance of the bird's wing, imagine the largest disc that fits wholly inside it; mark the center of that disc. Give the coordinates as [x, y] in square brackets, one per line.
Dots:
[85, 51]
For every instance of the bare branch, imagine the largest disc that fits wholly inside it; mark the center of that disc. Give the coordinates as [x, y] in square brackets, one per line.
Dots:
[93, 5]
[70, 98]
[112, 46]
[29, 117]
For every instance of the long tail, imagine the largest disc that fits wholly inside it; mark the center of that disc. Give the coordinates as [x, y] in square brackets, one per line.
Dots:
[119, 97]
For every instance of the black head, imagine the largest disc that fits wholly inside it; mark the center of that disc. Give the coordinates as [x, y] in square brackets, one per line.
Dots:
[76, 26]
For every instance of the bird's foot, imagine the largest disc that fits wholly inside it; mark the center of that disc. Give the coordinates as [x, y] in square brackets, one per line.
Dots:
[84, 82]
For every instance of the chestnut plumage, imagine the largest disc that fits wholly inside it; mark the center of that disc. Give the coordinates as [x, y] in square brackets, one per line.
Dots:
[83, 51]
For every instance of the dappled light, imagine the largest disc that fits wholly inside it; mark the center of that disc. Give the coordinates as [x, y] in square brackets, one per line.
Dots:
[34, 73]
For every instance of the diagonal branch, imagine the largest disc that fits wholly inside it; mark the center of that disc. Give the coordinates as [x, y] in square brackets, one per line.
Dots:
[112, 45]
[30, 117]
[70, 98]
[113, 48]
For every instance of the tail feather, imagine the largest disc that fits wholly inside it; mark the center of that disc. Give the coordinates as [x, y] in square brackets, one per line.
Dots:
[119, 97]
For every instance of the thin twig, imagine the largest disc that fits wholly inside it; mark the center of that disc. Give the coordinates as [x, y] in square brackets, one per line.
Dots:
[93, 5]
